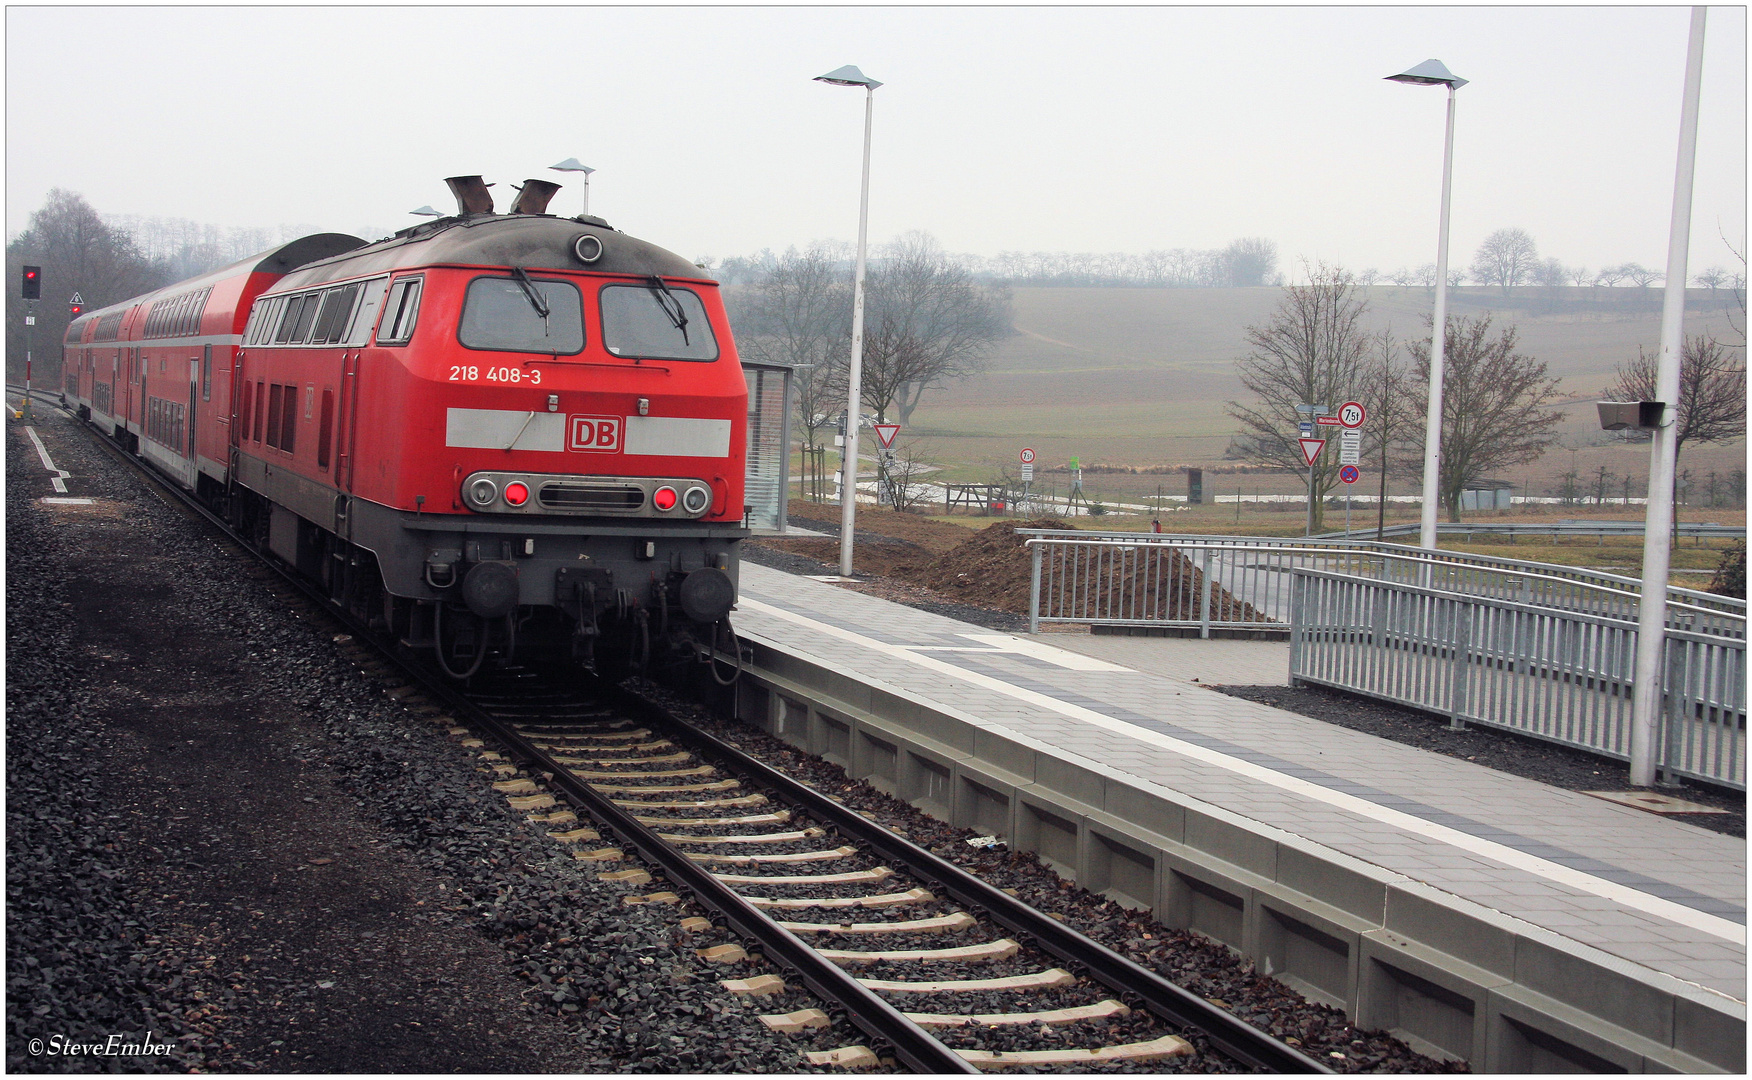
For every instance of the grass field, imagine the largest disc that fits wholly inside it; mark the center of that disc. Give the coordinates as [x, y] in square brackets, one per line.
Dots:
[1140, 377]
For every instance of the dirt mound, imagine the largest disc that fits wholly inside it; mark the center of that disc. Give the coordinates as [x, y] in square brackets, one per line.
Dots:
[995, 569]
[991, 568]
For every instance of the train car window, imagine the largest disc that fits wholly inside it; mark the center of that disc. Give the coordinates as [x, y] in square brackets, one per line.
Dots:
[325, 428]
[207, 373]
[271, 323]
[499, 314]
[337, 310]
[288, 319]
[289, 423]
[306, 318]
[400, 312]
[369, 305]
[276, 399]
[255, 323]
[243, 409]
[658, 324]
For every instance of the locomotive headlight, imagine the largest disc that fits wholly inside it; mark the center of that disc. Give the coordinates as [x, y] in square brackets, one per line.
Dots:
[664, 498]
[482, 492]
[516, 493]
[696, 500]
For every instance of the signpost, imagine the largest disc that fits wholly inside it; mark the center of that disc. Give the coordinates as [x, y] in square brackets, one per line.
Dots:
[1350, 452]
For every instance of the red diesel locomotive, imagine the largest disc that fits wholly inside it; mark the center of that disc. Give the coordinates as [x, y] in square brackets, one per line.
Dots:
[489, 434]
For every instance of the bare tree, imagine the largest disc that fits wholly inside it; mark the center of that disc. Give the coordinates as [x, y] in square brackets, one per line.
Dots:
[1712, 391]
[1390, 397]
[800, 314]
[1311, 351]
[1579, 276]
[79, 253]
[1425, 275]
[1250, 262]
[925, 321]
[1367, 278]
[1610, 276]
[1712, 278]
[1641, 275]
[1506, 258]
[1403, 277]
[1493, 404]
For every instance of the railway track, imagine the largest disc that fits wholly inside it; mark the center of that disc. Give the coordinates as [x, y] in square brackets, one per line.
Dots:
[941, 972]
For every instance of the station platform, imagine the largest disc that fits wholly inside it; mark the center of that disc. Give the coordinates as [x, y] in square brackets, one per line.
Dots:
[1478, 915]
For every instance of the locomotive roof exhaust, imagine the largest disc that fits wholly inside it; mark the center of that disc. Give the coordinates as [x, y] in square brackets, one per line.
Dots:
[472, 196]
[533, 197]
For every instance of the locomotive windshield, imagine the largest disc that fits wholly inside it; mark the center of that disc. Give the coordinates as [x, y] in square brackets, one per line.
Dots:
[499, 314]
[656, 323]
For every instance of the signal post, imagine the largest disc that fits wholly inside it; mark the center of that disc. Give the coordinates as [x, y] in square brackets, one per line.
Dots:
[31, 290]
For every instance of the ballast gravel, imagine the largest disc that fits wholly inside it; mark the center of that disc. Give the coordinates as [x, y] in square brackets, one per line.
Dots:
[234, 836]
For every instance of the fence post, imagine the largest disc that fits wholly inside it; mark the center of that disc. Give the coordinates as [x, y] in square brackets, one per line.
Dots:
[1034, 593]
[1298, 594]
[1459, 664]
[1204, 600]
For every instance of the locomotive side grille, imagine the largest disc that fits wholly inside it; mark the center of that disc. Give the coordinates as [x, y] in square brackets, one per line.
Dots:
[609, 498]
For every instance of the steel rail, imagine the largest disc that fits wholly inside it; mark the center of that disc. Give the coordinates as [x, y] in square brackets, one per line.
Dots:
[868, 1010]
[1226, 1031]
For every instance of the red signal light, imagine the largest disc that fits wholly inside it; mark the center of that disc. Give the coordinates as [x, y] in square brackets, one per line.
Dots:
[664, 498]
[516, 493]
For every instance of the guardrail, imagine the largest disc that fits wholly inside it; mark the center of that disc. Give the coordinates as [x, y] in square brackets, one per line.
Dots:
[1701, 530]
[1560, 675]
[1080, 577]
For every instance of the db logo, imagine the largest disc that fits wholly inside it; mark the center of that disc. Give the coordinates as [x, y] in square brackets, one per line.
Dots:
[599, 433]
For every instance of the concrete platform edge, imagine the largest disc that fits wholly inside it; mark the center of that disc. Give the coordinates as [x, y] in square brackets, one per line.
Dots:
[1452, 977]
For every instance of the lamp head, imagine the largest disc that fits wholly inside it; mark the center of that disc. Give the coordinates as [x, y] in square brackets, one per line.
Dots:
[571, 164]
[848, 76]
[426, 211]
[1429, 73]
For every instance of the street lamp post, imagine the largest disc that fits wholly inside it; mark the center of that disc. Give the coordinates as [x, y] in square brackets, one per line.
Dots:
[851, 76]
[1433, 73]
[571, 164]
[1651, 643]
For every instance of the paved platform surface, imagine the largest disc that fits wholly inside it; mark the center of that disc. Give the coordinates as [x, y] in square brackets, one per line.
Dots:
[1222, 661]
[1652, 891]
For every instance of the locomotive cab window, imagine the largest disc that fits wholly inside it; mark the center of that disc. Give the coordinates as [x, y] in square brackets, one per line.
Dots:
[656, 322]
[400, 311]
[521, 314]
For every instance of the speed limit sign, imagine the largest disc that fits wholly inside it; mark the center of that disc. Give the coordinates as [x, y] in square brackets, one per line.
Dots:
[1352, 414]
[1027, 455]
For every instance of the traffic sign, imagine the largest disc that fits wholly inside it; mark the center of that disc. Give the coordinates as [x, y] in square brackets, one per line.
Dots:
[1352, 414]
[1311, 448]
[1327, 421]
[885, 434]
[1348, 474]
[1028, 473]
[1350, 447]
[1306, 427]
[1027, 455]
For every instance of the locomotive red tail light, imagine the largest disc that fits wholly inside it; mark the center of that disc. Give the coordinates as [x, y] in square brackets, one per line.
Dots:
[516, 493]
[664, 498]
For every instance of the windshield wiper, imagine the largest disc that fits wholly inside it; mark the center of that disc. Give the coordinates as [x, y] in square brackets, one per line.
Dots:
[664, 298]
[535, 300]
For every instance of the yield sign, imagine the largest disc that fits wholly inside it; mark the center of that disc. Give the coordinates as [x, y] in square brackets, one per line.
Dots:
[885, 434]
[1311, 448]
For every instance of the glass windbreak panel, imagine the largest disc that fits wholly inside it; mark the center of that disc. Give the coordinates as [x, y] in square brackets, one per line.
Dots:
[400, 313]
[658, 324]
[366, 316]
[500, 314]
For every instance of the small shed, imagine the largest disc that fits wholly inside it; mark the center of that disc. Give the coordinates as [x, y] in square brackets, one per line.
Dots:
[1487, 495]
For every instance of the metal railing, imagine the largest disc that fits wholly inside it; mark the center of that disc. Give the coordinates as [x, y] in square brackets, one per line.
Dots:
[1145, 579]
[1559, 675]
[1700, 530]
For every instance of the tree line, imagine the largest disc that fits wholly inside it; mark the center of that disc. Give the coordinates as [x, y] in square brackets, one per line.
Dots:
[1497, 402]
[1510, 257]
[1244, 263]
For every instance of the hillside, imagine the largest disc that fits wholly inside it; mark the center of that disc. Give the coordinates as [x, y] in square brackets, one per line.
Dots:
[1140, 376]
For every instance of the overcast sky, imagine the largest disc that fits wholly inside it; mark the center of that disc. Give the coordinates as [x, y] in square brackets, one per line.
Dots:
[1037, 129]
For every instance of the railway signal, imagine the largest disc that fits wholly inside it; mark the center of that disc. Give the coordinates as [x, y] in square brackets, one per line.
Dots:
[76, 305]
[32, 286]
